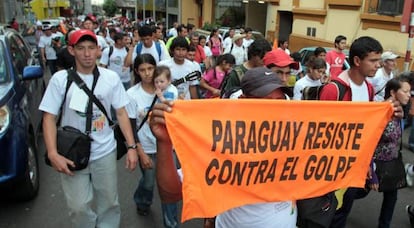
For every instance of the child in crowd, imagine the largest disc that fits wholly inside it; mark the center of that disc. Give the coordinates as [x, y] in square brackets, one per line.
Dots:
[315, 68]
[212, 79]
[163, 87]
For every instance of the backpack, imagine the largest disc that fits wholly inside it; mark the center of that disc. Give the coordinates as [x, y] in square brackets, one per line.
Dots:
[226, 94]
[157, 46]
[111, 50]
[314, 92]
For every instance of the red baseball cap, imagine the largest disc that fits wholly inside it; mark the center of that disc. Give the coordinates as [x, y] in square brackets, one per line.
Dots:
[279, 58]
[78, 34]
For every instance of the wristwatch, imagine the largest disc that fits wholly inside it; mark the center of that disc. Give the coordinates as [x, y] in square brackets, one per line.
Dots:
[133, 146]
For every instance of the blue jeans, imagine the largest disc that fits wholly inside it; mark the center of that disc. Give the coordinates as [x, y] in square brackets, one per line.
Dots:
[170, 215]
[144, 194]
[387, 208]
[96, 183]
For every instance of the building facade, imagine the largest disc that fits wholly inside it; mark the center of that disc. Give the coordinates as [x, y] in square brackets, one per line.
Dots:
[318, 22]
[12, 9]
[50, 8]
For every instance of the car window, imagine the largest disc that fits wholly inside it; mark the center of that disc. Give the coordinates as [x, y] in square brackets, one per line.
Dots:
[4, 76]
[19, 52]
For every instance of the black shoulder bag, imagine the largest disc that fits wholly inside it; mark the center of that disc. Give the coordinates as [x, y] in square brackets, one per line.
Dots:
[72, 143]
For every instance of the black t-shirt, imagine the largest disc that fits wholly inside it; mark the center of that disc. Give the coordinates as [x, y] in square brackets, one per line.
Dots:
[64, 59]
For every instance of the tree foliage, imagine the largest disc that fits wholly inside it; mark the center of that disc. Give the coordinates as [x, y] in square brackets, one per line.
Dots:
[110, 8]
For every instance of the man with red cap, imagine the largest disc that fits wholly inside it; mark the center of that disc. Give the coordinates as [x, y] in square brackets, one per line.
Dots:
[279, 62]
[98, 181]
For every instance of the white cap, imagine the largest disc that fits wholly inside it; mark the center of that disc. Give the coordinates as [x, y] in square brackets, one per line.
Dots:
[38, 23]
[388, 55]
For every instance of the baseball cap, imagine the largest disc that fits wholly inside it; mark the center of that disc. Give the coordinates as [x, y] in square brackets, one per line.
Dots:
[388, 55]
[78, 34]
[259, 82]
[90, 18]
[46, 27]
[238, 36]
[279, 58]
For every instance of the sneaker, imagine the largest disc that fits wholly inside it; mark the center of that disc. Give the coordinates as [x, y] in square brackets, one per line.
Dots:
[410, 212]
[142, 211]
[410, 178]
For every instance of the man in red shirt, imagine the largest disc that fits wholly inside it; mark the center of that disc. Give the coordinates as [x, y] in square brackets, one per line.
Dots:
[335, 57]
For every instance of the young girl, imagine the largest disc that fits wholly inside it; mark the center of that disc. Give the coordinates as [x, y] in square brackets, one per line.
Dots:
[215, 43]
[163, 87]
[213, 78]
[141, 96]
[388, 147]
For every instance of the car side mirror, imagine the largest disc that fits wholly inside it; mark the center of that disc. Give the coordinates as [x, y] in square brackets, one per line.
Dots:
[32, 72]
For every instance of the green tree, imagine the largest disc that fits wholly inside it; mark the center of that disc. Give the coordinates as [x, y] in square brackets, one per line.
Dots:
[110, 8]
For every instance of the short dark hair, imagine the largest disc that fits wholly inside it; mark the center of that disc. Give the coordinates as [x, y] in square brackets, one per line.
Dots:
[282, 41]
[181, 27]
[179, 42]
[118, 36]
[258, 48]
[315, 63]
[228, 58]
[319, 50]
[145, 31]
[362, 46]
[339, 38]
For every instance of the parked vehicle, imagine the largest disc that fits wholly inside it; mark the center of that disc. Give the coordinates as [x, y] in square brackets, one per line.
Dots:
[21, 89]
[307, 52]
[224, 30]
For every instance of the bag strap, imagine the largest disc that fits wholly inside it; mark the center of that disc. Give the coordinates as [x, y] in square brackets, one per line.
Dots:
[73, 75]
[341, 90]
[189, 77]
[68, 84]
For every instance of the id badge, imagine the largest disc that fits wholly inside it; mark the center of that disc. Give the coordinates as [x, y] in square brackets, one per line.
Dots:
[79, 100]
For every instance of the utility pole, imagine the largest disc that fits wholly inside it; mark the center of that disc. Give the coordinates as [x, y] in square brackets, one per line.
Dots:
[407, 25]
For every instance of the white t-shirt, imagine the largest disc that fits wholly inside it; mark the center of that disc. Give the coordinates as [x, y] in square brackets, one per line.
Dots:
[46, 43]
[171, 93]
[207, 51]
[247, 42]
[108, 90]
[153, 51]
[116, 62]
[378, 82]
[301, 84]
[264, 215]
[239, 53]
[137, 109]
[102, 42]
[359, 92]
[227, 42]
[180, 71]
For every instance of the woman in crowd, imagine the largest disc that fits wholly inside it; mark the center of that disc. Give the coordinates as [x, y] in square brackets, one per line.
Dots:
[213, 78]
[388, 149]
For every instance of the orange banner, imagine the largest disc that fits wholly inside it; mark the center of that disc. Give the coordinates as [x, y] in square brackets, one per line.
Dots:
[237, 152]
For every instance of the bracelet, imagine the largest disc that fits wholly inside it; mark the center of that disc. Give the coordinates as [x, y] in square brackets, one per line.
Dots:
[133, 146]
